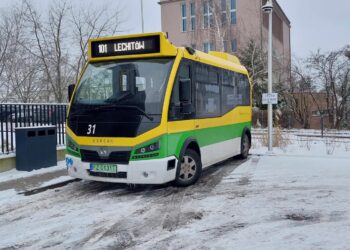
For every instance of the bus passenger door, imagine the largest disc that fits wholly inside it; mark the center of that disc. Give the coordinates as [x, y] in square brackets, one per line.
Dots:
[181, 109]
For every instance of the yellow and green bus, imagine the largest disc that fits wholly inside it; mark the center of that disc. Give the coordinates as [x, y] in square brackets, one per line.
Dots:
[147, 112]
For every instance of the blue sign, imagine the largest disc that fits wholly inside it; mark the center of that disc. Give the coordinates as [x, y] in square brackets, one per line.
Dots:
[69, 162]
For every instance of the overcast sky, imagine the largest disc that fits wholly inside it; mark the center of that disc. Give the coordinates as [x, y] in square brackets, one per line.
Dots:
[315, 23]
[318, 24]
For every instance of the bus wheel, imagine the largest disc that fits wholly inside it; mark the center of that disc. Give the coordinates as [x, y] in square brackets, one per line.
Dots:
[245, 146]
[189, 170]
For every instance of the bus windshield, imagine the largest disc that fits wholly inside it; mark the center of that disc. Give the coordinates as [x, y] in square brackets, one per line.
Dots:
[138, 84]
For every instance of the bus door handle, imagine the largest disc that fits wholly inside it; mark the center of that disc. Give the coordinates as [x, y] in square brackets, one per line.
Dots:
[197, 126]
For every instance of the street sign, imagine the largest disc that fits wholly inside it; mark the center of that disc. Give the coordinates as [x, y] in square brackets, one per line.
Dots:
[269, 98]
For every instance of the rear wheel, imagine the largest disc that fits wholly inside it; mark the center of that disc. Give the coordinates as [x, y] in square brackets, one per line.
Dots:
[189, 169]
[245, 146]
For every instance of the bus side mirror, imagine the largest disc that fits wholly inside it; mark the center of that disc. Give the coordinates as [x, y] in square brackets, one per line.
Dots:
[71, 88]
[185, 95]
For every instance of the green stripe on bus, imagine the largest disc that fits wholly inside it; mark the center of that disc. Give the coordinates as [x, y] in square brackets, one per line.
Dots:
[204, 137]
[72, 153]
[172, 144]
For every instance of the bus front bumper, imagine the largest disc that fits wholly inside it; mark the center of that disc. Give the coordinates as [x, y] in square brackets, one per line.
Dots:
[136, 172]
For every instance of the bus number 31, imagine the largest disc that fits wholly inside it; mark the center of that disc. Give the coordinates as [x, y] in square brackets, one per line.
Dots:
[91, 129]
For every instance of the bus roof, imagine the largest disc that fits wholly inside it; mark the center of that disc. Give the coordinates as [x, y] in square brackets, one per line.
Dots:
[154, 45]
[218, 59]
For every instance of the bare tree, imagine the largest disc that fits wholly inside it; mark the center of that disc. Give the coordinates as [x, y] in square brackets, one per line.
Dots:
[6, 28]
[49, 46]
[298, 95]
[42, 52]
[88, 23]
[332, 71]
[20, 70]
[254, 59]
[23, 78]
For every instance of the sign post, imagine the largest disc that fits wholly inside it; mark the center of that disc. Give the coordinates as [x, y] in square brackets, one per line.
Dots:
[269, 98]
[268, 8]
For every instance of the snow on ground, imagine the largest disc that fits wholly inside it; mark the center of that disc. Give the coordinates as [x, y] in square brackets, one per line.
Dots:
[304, 143]
[56, 180]
[287, 203]
[292, 199]
[14, 174]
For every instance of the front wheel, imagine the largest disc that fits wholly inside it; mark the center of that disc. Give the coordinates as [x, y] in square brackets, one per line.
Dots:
[189, 169]
[245, 146]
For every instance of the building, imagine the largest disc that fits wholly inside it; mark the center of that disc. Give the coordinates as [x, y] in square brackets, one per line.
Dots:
[226, 25]
[312, 107]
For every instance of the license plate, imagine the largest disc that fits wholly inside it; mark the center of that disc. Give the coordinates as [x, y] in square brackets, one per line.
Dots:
[103, 168]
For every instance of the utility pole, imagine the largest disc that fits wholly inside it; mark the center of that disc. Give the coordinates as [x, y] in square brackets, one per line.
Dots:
[268, 8]
[142, 24]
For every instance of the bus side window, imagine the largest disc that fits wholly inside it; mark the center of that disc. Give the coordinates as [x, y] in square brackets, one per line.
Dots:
[175, 113]
[228, 97]
[207, 92]
[246, 90]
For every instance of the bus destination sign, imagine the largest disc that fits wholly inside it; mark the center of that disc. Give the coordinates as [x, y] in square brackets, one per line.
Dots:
[126, 46]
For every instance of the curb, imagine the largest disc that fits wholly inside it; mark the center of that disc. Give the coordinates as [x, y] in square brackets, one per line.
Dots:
[8, 162]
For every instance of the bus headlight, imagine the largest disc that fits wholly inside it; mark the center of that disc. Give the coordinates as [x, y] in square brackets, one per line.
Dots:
[149, 148]
[71, 145]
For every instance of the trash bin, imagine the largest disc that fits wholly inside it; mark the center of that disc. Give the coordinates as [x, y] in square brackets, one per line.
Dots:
[35, 147]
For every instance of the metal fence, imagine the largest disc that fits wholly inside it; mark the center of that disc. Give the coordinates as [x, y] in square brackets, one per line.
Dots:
[28, 115]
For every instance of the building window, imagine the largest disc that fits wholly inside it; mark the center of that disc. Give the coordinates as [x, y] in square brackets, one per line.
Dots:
[193, 15]
[233, 12]
[207, 14]
[234, 45]
[319, 112]
[223, 13]
[225, 46]
[208, 47]
[184, 17]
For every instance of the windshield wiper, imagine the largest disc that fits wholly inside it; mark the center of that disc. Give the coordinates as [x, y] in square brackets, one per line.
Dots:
[125, 106]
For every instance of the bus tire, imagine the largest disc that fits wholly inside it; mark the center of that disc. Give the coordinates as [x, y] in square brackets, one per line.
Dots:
[245, 146]
[189, 169]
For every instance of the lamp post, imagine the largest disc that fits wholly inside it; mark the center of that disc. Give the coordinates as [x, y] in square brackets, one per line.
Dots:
[267, 8]
[142, 25]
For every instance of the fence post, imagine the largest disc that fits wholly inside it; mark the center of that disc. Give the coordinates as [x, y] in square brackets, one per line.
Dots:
[322, 125]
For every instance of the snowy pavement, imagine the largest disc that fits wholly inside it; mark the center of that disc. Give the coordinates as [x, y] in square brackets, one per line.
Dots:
[266, 202]
[23, 181]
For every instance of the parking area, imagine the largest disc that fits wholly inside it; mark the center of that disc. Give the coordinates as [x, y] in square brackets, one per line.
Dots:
[293, 202]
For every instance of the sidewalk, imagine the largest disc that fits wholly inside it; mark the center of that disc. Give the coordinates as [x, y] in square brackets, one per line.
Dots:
[22, 181]
[292, 202]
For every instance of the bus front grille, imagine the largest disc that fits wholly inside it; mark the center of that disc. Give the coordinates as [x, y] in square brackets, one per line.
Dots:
[120, 157]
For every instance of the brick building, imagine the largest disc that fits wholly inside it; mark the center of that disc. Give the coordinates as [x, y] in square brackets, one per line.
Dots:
[225, 25]
[313, 106]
